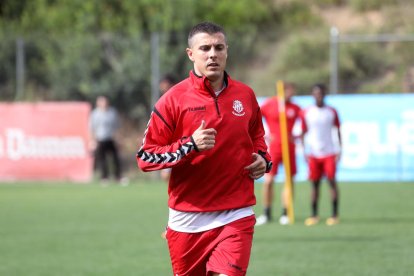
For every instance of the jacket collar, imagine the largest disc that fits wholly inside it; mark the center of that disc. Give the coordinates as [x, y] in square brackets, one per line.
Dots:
[201, 82]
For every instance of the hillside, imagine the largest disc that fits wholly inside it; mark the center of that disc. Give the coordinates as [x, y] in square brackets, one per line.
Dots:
[302, 55]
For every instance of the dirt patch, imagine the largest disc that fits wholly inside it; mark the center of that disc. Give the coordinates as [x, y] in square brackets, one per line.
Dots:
[345, 19]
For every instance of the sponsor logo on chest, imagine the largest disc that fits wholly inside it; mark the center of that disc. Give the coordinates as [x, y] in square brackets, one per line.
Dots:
[197, 108]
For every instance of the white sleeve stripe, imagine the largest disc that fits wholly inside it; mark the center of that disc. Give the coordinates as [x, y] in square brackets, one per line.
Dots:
[167, 157]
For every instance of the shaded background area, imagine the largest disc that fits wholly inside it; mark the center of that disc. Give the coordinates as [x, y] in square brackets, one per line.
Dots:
[66, 50]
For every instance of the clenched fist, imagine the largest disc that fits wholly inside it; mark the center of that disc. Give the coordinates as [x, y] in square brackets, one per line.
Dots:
[204, 138]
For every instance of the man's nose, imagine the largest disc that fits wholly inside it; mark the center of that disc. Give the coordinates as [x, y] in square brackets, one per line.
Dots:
[212, 53]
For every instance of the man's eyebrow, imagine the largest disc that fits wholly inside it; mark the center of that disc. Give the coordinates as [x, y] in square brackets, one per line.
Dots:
[214, 44]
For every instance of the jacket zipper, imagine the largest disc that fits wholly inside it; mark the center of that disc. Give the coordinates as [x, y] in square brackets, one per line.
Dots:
[217, 107]
[215, 100]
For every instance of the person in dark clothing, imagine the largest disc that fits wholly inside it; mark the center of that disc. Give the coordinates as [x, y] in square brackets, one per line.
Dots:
[103, 125]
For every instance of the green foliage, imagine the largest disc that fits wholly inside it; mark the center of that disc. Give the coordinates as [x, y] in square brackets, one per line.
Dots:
[296, 14]
[360, 62]
[234, 15]
[303, 58]
[365, 5]
[323, 3]
[7, 66]
[78, 49]
[130, 16]
[399, 18]
[390, 82]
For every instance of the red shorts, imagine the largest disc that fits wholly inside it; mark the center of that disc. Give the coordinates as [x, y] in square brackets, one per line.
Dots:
[277, 160]
[223, 250]
[322, 166]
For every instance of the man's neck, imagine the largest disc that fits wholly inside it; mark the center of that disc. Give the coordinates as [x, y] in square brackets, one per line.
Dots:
[217, 85]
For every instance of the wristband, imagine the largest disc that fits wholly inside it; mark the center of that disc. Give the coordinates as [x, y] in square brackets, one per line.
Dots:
[194, 143]
[269, 164]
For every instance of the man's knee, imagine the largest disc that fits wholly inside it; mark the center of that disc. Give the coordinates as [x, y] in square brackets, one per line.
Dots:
[268, 181]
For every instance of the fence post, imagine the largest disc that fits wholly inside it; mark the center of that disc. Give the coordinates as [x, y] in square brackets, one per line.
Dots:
[155, 68]
[20, 68]
[334, 37]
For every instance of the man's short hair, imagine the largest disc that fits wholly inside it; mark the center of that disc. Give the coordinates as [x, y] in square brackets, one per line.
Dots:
[169, 78]
[205, 27]
[322, 87]
[289, 85]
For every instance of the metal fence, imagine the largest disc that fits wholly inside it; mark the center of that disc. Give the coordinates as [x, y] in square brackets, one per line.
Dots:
[337, 39]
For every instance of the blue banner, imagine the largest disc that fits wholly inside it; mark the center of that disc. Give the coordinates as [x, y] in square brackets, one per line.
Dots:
[377, 137]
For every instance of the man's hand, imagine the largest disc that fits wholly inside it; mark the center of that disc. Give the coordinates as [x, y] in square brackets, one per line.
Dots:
[258, 167]
[306, 157]
[204, 138]
[338, 156]
[92, 145]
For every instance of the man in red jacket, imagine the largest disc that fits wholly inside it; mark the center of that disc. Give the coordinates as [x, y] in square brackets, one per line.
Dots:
[208, 129]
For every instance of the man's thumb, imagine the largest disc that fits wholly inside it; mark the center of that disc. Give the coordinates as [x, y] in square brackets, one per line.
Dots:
[202, 125]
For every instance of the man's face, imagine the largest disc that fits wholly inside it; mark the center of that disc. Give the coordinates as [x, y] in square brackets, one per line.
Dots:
[164, 86]
[209, 54]
[289, 92]
[102, 102]
[318, 95]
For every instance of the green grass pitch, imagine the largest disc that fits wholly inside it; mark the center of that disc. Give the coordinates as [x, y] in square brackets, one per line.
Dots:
[71, 229]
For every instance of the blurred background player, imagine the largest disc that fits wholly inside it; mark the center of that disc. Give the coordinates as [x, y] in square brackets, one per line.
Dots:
[103, 124]
[166, 83]
[270, 112]
[318, 123]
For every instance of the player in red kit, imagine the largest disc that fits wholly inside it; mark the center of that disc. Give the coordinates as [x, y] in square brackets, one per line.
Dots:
[319, 121]
[208, 129]
[270, 112]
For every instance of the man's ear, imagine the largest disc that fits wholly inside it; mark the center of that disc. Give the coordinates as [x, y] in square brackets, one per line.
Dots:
[190, 54]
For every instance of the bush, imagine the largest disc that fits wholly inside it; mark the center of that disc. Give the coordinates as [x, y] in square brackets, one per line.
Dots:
[329, 2]
[365, 5]
[7, 66]
[296, 14]
[360, 62]
[304, 59]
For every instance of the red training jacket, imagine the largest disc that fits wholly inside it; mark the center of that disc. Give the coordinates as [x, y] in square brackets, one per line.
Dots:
[215, 179]
[270, 112]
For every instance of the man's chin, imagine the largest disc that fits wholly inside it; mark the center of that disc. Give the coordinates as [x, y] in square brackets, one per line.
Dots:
[214, 75]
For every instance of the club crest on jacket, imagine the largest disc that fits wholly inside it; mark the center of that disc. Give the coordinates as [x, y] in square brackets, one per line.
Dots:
[238, 108]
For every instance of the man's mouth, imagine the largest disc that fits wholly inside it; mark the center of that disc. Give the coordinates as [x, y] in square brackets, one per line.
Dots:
[213, 64]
